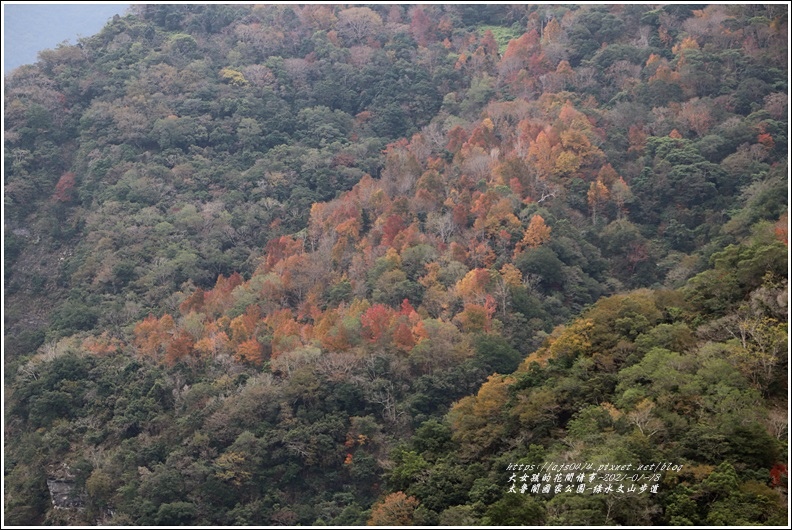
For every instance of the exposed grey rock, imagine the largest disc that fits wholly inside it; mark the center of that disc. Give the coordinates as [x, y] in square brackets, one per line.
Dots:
[62, 488]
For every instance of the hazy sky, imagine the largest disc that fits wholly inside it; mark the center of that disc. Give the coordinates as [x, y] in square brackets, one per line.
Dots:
[29, 28]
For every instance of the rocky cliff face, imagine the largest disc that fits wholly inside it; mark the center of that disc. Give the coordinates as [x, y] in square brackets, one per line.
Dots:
[63, 489]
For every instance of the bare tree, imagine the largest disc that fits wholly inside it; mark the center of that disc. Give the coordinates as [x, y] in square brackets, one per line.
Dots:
[358, 23]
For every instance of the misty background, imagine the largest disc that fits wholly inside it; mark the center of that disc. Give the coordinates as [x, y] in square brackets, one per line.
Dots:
[30, 28]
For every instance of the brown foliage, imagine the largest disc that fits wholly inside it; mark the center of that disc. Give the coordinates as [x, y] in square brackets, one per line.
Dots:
[397, 509]
[65, 188]
[249, 351]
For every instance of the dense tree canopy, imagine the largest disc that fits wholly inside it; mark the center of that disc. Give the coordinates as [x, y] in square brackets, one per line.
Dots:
[304, 265]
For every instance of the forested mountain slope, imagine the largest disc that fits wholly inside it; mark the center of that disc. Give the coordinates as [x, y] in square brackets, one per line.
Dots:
[262, 263]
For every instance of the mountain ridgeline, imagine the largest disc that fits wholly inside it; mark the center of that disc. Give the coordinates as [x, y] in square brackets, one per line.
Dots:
[345, 265]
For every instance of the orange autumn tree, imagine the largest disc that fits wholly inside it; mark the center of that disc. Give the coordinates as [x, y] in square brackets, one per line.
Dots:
[473, 286]
[403, 336]
[397, 509]
[249, 351]
[281, 248]
[244, 326]
[152, 334]
[597, 195]
[159, 338]
[578, 141]
[405, 333]
[104, 344]
[494, 214]
[476, 318]
[218, 300]
[65, 189]
[782, 228]
[214, 342]
[537, 233]
[194, 302]
[179, 347]
[285, 331]
[540, 155]
[565, 149]
[375, 322]
[338, 329]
